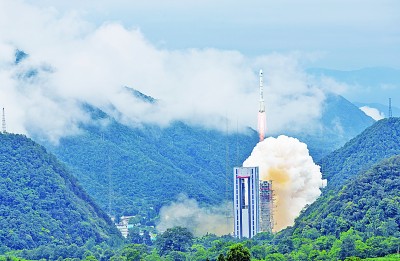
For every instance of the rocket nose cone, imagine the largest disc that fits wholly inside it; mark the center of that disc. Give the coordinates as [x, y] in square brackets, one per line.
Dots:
[261, 72]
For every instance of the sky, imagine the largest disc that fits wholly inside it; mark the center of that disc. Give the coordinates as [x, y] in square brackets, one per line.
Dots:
[336, 34]
[199, 59]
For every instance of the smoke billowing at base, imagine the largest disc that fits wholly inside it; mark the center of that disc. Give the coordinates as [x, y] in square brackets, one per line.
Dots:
[296, 179]
[187, 213]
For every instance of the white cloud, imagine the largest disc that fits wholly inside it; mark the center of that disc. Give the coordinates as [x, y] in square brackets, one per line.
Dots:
[373, 113]
[351, 34]
[199, 220]
[78, 63]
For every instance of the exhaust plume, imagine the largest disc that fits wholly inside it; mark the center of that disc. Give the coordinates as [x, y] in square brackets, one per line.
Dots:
[187, 213]
[296, 179]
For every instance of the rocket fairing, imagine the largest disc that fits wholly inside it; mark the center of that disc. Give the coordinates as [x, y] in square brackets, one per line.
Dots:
[262, 105]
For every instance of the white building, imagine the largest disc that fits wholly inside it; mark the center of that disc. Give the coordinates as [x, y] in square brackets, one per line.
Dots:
[246, 202]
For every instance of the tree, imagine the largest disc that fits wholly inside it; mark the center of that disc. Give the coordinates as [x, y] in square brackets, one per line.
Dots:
[90, 258]
[134, 252]
[258, 252]
[238, 253]
[348, 247]
[146, 238]
[275, 257]
[174, 239]
[221, 257]
[176, 256]
[134, 237]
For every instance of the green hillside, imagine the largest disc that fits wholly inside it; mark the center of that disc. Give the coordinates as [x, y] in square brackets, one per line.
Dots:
[138, 169]
[41, 203]
[370, 204]
[361, 219]
[130, 170]
[374, 144]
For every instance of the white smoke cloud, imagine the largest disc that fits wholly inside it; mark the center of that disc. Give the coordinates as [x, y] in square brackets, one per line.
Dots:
[79, 63]
[296, 179]
[187, 213]
[373, 113]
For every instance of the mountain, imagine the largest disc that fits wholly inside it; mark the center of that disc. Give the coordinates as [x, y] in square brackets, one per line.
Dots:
[130, 170]
[41, 203]
[369, 203]
[139, 169]
[377, 142]
[340, 121]
[361, 218]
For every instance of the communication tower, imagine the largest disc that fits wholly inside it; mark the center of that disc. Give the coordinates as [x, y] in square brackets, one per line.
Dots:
[4, 122]
[390, 108]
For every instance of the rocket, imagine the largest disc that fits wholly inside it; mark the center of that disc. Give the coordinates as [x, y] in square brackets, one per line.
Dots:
[262, 105]
[262, 121]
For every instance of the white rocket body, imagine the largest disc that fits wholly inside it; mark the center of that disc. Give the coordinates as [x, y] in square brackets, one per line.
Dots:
[262, 121]
[262, 105]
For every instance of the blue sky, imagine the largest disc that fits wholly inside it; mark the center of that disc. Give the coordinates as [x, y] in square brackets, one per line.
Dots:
[334, 34]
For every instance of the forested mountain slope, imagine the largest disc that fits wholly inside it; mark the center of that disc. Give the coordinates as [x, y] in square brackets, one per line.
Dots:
[361, 219]
[41, 203]
[370, 203]
[131, 169]
[128, 169]
[374, 144]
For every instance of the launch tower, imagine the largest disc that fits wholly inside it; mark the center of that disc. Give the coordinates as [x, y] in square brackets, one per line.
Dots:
[246, 201]
[252, 203]
[266, 207]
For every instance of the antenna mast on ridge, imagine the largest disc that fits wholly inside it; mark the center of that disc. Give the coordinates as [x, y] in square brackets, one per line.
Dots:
[390, 108]
[4, 122]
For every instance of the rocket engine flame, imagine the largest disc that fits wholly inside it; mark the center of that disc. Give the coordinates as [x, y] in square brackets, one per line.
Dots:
[262, 125]
[296, 179]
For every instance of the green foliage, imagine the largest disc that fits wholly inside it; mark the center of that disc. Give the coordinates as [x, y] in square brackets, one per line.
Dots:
[394, 257]
[174, 239]
[362, 219]
[370, 204]
[221, 257]
[150, 166]
[376, 143]
[134, 252]
[275, 257]
[41, 203]
[238, 253]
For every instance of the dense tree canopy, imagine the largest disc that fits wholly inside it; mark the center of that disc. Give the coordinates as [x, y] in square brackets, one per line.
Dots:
[41, 203]
[174, 239]
[378, 142]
